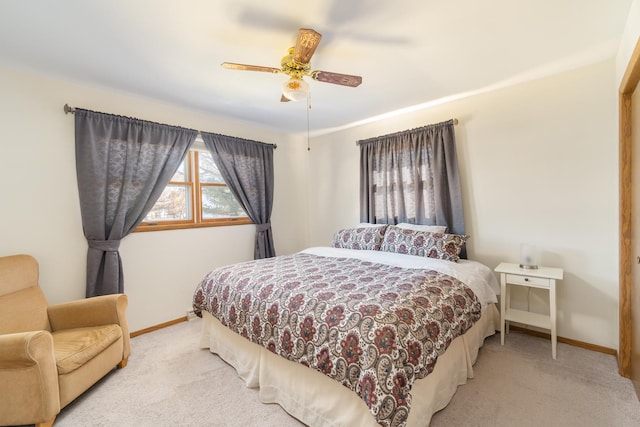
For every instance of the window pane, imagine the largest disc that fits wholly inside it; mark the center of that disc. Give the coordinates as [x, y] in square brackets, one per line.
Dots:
[218, 202]
[182, 174]
[208, 170]
[173, 205]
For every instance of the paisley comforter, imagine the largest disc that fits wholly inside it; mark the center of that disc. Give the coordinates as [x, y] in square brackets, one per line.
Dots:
[375, 328]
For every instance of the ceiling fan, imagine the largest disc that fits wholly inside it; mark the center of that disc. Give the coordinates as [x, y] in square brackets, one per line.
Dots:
[296, 65]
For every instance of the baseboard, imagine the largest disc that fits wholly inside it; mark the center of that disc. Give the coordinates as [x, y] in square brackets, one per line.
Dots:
[569, 341]
[156, 327]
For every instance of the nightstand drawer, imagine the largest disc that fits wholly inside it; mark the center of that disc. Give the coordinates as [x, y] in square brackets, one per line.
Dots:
[516, 279]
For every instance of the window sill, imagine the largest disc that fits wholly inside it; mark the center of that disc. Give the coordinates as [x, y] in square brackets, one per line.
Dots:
[182, 226]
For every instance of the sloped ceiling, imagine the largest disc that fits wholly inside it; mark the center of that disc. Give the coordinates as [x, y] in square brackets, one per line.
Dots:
[409, 53]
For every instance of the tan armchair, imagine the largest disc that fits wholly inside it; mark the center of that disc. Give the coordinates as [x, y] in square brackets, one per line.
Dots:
[49, 355]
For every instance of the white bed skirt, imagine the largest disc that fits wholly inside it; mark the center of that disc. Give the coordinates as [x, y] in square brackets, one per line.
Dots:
[317, 400]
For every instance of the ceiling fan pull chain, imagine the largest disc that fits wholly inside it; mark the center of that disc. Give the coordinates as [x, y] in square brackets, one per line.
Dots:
[308, 108]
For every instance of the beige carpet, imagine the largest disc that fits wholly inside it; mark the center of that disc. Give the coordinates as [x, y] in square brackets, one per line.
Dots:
[170, 382]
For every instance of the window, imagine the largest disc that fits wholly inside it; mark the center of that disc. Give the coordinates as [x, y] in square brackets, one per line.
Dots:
[403, 191]
[196, 196]
[412, 176]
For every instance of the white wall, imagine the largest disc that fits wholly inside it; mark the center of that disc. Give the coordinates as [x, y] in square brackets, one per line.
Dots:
[538, 164]
[629, 40]
[39, 208]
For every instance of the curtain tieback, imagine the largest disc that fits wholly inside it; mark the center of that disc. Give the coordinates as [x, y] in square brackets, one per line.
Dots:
[104, 245]
[263, 227]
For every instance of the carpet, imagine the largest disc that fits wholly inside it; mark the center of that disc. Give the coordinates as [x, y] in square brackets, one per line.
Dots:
[169, 381]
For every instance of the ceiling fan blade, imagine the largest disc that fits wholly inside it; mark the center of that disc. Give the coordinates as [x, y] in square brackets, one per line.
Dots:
[336, 78]
[306, 45]
[284, 98]
[234, 66]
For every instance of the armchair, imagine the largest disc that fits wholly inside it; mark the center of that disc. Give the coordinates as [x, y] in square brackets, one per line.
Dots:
[49, 355]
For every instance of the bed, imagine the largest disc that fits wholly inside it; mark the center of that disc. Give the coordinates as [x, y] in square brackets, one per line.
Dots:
[359, 334]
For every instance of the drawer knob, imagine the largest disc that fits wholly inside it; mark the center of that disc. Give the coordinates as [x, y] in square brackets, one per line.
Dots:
[526, 279]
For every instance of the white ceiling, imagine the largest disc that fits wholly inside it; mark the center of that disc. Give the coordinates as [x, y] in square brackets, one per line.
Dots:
[408, 52]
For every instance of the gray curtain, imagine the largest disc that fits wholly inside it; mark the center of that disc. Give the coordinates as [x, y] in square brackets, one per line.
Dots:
[412, 176]
[247, 168]
[123, 165]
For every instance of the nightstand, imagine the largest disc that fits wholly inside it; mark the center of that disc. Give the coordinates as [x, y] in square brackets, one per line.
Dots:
[543, 278]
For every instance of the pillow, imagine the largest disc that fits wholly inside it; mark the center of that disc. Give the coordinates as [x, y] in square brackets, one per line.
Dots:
[421, 227]
[423, 243]
[364, 238]
[368, 224]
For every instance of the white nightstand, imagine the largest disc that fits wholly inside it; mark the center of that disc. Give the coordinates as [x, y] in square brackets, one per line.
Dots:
[542, 277]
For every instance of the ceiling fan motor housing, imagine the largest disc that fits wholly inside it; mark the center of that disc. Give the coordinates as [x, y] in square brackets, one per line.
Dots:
[294, 68]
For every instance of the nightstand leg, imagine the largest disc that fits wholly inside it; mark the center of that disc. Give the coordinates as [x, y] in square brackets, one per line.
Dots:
[503, 302]
[552, 313]
[507, 303]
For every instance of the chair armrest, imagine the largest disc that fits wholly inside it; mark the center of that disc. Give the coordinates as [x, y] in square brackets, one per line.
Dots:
[25, 348]
[94, 311]
[28, 373]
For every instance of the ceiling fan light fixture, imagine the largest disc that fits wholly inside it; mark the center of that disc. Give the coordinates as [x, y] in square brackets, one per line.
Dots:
[295, 89]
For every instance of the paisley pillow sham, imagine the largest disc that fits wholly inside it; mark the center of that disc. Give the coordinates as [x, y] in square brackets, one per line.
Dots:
[363, 238]
[423, 243]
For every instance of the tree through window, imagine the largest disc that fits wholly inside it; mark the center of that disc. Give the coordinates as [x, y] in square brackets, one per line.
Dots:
[196, 196]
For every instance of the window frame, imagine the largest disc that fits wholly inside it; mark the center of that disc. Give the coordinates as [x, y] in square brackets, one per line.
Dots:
[195, 195]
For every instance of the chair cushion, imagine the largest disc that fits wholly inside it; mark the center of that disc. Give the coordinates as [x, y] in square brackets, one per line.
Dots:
[75, 347]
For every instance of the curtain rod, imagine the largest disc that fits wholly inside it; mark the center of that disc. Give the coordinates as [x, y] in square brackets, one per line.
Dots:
[455, 122]
[70, 110]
